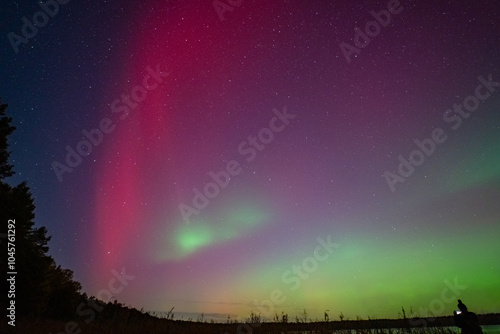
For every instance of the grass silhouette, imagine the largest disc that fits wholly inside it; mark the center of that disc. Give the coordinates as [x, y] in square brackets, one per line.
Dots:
[117, 318]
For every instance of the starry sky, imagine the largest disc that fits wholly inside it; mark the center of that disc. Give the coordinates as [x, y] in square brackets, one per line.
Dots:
[269, 156]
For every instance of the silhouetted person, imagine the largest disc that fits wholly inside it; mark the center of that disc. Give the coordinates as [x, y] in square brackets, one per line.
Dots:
[466, 320]
[461, 306]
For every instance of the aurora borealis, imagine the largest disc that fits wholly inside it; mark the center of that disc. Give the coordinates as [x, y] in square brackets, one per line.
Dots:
[240, 164]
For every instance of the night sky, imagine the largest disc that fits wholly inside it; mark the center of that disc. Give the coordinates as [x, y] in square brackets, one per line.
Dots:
[268, 156]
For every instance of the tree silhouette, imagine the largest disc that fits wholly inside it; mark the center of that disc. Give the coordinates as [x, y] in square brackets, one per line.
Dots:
[41, 287]
[6, 130]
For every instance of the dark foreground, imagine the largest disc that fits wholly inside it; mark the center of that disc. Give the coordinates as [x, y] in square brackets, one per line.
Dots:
[154, 325]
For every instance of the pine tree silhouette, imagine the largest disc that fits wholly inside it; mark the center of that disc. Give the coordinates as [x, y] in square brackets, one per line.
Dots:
[42, 289]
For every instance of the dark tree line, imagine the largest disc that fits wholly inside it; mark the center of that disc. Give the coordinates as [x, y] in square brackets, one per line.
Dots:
[42, 288]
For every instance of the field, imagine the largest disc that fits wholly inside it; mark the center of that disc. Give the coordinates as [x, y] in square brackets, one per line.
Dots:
[153, 325]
